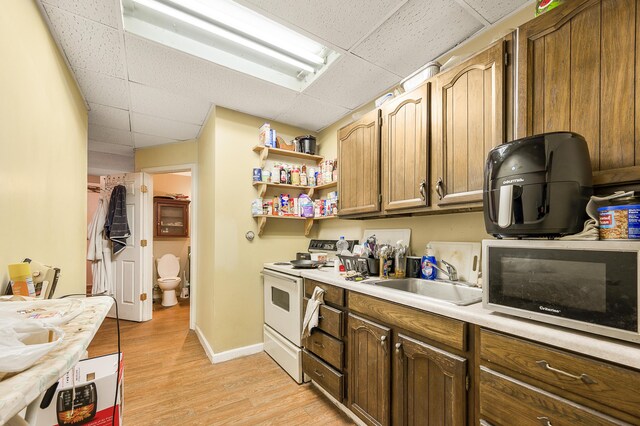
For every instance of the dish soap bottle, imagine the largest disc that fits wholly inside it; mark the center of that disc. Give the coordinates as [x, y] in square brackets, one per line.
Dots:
[428, 271]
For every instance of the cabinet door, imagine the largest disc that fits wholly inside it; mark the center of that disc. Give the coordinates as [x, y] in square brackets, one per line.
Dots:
[359, 166]
[576, 71]
[369, 370]
[470, 123]
[172, 218]
[405, 149]
[429, 385]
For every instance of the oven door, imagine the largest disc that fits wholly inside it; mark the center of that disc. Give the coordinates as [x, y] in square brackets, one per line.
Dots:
[283, 304]
[575, 286]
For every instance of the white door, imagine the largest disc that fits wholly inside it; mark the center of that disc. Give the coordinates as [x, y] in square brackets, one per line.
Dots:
[132, 273]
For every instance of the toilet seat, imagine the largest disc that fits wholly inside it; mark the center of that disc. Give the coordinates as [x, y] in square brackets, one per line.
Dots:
[168, 269]
[168, 266]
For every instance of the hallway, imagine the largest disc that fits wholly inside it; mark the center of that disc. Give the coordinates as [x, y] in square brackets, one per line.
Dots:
[170, 380]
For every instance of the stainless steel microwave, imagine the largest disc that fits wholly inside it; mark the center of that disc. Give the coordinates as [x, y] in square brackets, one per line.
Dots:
[591, 286]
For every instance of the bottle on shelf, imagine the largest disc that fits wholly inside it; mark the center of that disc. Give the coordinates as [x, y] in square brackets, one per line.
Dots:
[303, 175]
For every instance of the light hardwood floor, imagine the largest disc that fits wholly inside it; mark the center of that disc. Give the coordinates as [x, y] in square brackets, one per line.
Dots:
[170, 381]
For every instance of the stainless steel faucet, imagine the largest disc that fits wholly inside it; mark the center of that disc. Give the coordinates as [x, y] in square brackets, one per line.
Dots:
[451, 271]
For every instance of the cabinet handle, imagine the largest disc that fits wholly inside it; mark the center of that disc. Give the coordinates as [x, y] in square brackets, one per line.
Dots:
[586, 379]
[544, 421]
[320, 317]
[398, 347]
[423, 193]
[440, 188]
[318, 373]
[383, 339]
[319, 344]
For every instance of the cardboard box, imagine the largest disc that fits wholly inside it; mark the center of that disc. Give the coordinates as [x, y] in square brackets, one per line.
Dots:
[86, 395]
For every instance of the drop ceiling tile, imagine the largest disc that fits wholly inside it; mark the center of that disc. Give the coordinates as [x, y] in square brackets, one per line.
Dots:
[156, 126]
[106, 12]
[110, 148]
[495, 10]
[141, 140]
[339, 22]
[102, 89]
[419, 32]
[162, 103]
[311, 114]
[351, 82]
[109, 135]
[109, 116]
[159, 66]
[88, 44]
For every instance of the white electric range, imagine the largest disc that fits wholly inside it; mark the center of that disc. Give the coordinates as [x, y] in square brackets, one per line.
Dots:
[283, 302]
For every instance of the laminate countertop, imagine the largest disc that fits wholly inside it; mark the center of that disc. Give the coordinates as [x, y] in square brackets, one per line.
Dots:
[617, 351]
[18, 391]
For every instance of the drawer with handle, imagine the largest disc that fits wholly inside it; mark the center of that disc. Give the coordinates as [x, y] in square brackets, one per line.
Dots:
[505, 401]
[610, 385]
[326, 347]
[330, 380]
[332, 295]
[329, 320]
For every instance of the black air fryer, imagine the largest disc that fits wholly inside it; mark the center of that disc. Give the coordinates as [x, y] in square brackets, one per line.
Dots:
[537, 186]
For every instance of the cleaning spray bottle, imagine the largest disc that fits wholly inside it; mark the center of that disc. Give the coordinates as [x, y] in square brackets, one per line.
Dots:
[429, 259]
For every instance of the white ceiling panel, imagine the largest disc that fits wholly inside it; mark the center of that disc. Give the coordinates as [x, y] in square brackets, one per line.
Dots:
[88, 44]
[110, 148]
[102, 89]
[417, 33]
[343, 85]
[109, 135]
[109, 116]
[312, 114]
[341, 23]
[495, 10]
[141, 140]
[162, 103]
[157, 126]
[106, 12]
[154, 65]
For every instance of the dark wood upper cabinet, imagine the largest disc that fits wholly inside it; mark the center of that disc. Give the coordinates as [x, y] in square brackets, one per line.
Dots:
[470, 122]
[405, 150]
[171, 218]
[359, 166]
[369, 370]
[429, 385]
[577, 71]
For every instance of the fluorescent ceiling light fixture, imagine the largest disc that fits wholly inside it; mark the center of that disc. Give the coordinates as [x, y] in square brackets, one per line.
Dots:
[230, 35]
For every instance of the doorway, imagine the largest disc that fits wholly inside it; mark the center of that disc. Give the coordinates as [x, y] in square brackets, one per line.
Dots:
[174, 190]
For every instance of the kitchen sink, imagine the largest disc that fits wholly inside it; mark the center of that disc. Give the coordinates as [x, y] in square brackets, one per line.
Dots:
[442, 290]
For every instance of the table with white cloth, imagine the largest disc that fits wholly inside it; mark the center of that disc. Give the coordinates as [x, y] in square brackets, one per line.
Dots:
[25, 388]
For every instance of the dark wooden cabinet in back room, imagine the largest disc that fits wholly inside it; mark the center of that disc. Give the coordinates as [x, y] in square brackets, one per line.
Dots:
[577, 71]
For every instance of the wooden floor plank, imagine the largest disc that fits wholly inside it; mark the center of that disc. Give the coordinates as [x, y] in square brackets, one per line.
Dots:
[170, 380]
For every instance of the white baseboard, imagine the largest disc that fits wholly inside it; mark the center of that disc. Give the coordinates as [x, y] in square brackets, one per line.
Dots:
[205, 344]
[226, 355]
[237, 353]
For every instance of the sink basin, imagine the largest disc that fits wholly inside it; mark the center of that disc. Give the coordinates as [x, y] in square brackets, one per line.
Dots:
[445, 291]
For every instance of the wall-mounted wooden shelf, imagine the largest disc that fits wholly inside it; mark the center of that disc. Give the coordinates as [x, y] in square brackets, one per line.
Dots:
[309, 190]
[266, 151]
[262, 221]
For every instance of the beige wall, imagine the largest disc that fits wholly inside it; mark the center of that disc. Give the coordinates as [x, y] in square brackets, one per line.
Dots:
[43, 150]
[166, 155]
[235, 270]
[164, 184]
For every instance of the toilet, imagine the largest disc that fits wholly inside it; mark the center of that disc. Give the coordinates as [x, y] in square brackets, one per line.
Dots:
[168, 270]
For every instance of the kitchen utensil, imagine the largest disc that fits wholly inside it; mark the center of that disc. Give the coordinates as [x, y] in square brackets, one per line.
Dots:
[304, 264]
[303, 256]
[306, 144]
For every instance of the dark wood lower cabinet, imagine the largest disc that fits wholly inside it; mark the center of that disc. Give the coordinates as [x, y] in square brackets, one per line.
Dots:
[429, 385]
[369, 370]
